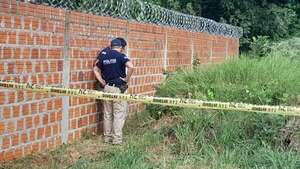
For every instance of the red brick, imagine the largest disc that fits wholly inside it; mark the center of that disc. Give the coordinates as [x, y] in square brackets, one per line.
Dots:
[73, 124]
[9, 155]
[20, 96]
[15, 139]
[16, 111]
[40, 133]
[32, 135]
[44, 145]
[53, 67]
[30, 40]
[18, 22]
[7, 53]
[11, 97]
[5, 8]
[24, 138]
[55, 129]
[27, 23]
[29, 66]
[43, 53]
[34, 107]
[28, 122]
[54, 53]
[19, 67]
[58, 104]
[20, 124]
[38, 95]
[35, 147]
[1, 128]
[58, 141]
[77, 135]
[50, 105]
[36, 120]
[6, 142]
[37, 68]
[2, 156]
[10, 127]
[25, 109]
[29, 95]
[34, 79]
[13, 7]
[6, 112]
[42, 107]
[18, 152]
[45, 119]
[50, 143]
[59, 116]
[46, 40]
[7, 21]
[12, 37]
[41, 79]
[34, 24]
[45, 66]
[22, 38]
[3, 37]
[34, 53]
[39, 40]
[52, 117]
[27, 149]
[48, 131]
[71, 137]
[1, 68]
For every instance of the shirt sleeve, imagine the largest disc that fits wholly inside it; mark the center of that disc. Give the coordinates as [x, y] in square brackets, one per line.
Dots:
[99, 63]
[124, 59]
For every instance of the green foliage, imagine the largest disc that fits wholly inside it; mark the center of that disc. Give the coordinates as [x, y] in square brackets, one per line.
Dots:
[273, 18]
[192, 7]
[289, 48]
[260, 46]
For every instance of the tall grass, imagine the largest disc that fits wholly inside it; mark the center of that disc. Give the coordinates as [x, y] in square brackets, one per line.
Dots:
[232, 139]
[270, 80]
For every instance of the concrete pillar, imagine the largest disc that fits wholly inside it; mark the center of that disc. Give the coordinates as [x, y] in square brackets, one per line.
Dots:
[66, 80]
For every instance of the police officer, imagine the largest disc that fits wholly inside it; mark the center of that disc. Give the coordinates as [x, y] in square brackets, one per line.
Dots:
[110, 71]
[103, 52]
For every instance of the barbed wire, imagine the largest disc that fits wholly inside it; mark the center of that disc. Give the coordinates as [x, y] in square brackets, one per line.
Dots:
[147, 13]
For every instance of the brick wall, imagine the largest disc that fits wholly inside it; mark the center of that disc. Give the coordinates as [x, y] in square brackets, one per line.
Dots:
[50, 46]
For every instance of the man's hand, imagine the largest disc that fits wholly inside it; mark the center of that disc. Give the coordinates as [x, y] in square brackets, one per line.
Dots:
[97, 72]
[130, 68]
[125, 79]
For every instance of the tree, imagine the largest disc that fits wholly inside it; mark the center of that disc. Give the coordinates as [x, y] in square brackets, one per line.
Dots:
[276, 19]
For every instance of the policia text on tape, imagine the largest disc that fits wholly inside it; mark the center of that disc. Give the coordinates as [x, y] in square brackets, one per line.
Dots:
[191, 103]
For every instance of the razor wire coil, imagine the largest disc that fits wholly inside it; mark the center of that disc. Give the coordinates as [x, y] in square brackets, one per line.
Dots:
[147, 13]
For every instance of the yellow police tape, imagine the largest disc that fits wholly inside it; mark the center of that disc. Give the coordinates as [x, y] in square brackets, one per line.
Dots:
[191, 103]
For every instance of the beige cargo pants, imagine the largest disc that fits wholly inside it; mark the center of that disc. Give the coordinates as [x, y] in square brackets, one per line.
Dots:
[115, 113]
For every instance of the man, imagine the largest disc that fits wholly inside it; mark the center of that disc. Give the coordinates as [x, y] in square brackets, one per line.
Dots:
[110, 71]
[103, 52]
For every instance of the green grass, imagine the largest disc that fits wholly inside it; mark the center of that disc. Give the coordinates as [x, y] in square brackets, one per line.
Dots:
[235, 139]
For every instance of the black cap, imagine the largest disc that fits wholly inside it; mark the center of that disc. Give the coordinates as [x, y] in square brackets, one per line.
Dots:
[116, 42]
[123, 41]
